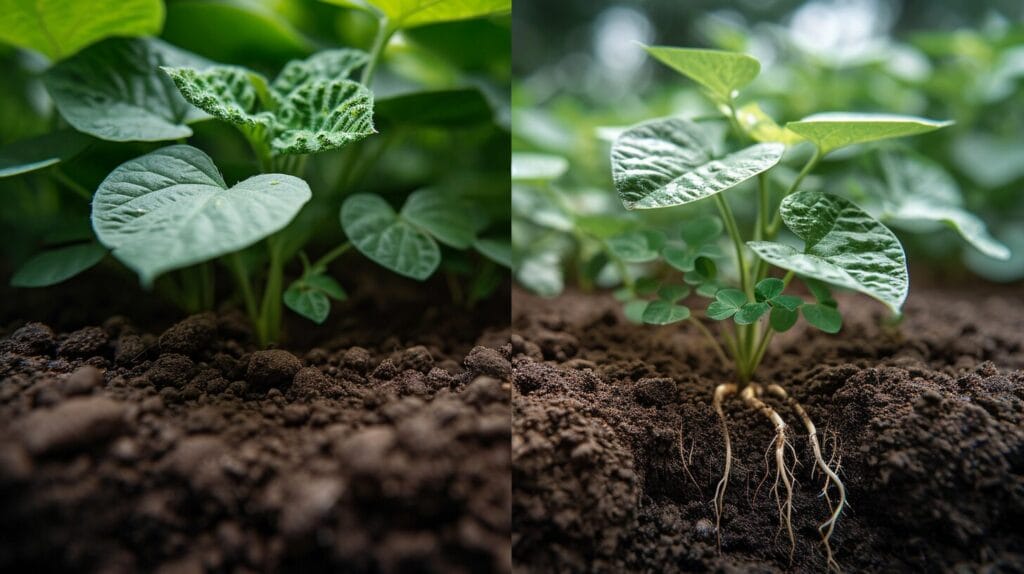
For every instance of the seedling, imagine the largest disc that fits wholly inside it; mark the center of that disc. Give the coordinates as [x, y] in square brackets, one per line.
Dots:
[669, 162]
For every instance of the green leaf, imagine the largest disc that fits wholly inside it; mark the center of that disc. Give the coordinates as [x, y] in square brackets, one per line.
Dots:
[661, 312]
[761, 127]
[706, 267]
[537, 167]
[438, 108]
[701, 230]
[823, 317]
[769, 288]
[721, 73]
[843, 246]
[819, 289]
[171, 208]
[323, 115]
[634, 310]
[602, 226]
[59, 28]
[447, 217]
[833, 130]
[326, 65]
[497, 250]
[387, 238]
[708, 289]
[782, 319]
[635, 246]
[726, 304]
[116, 91]
[750, 312]
[229, 93]
[56, 265]
[542, 273]
[788, 302]
[42, 151]
[919, 191]
[646, 286]
[411, 13]
[310, 296]
[673, 293]
[679, 257]
[667, 162]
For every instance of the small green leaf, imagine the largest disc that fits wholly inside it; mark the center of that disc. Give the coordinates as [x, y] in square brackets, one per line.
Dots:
[437, 108]
[673, 293]
[230, 93]
[661, 312]
[819, 289]
[706, 267]
[635, 246]
[326, 65]
[448, 218]
[833, 130]
[782, 319]
[323, 115]
[708, 289]
[750, 312]
[844, 246]
[388, 239]
[634, 310]
[769, 288]
[42, 151]
[497, 250]
[701, 230]
[823, 317]
[56, 265]
[720, 72]
[726, 304]
[328, 285]
[646, 286]
[116, 91]
[761, 127]
[788, 302]
[58, 28]
[667, 162]
[680, 258]
[171, 208]
[537, 167]
[310, 296]
[412, 13]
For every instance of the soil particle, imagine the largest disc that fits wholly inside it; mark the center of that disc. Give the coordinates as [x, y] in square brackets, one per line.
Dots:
[171, 370]
[83, 381]
[74, 424]
[416, 358]
[358, 359]
[190, 337]
[272, 368]
[485, 361]
[32, 339]
[85, 342]
[310, 383]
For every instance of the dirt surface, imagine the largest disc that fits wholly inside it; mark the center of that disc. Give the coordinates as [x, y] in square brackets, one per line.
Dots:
[928, 418]
[191, 450]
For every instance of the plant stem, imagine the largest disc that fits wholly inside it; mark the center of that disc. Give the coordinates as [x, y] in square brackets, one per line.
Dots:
[331, 255]
[270, 308]
[777, 220]
[380, 42]
[737, 241]
[242, 278]
[711, 339]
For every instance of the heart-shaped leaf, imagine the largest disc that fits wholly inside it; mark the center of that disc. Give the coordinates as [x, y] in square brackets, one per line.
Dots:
[387, 238]
[448, 217]
[40, 152]
[661, 312]
[843, 246]
[310, 296]
[116, 91]
[323, 115]
[325, 65]
[59, 28]
[56, 265]
[833, 130]
[411, 13]
[171, 208]
[727, 303]
[823, 317]
[537, 167]
[768, 288]
[782, 319]
[720, 72]
[668, 162]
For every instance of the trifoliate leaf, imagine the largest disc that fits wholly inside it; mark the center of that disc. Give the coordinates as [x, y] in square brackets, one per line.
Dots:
[769, 288]
[750, 312]
[726, 304]
[387, 238]
[673, 293]
[449, 218]
[720, 72]
[789, 302]
[833, 130]
[636, 246]
[54, 266]
[782, 319]
[661, 312]
[761, 127]
[823, 317]
[537, 167]
[326, 65]
[843, 246]
[42, 151]
[668, 162]
[323, 115]
[171, 208]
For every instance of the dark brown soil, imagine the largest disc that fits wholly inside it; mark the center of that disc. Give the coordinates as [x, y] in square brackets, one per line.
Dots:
[192, 450]
[928, 417]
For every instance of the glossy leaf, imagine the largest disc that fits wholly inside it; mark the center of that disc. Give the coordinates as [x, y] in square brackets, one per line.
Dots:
[411, 13]
[116, 91]
[843, 246]
[537, 167]
[833, 130]
[823, 317]
[387, 238]
[57, 265]
[661, 312]
[58, 28]
[41, 152]
[720, 72]
[171, 208]
[447, 217]
[668, 162]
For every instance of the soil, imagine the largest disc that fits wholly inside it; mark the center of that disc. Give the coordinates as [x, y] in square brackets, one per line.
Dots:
[927, 418]
[382, 448]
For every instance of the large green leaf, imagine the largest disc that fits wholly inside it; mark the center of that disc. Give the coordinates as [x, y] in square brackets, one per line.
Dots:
[116, 91]
[720, 72]
[918, 191]
[171, 208]
[325, 65]
[833, 130]
[446, 216]
[667, 162]
[843, 245]
[56, 265]
[438, 108]
[411, 13]
[323, 115]
[387, 238]
[60, 28]
[42, 151]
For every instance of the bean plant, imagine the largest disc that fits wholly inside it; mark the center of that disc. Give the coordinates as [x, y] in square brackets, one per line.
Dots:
[171, 214]
[670, 162]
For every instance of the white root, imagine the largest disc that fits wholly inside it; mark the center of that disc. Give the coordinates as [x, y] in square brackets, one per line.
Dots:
[721, 393]
[751, 397]
[827, 527]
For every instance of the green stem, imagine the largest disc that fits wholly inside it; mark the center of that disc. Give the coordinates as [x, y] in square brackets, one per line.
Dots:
[737, 240]
[242, 279]
[380, 42]
[270, 308]
[331, 255]
[773, 229]
[73, 185]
